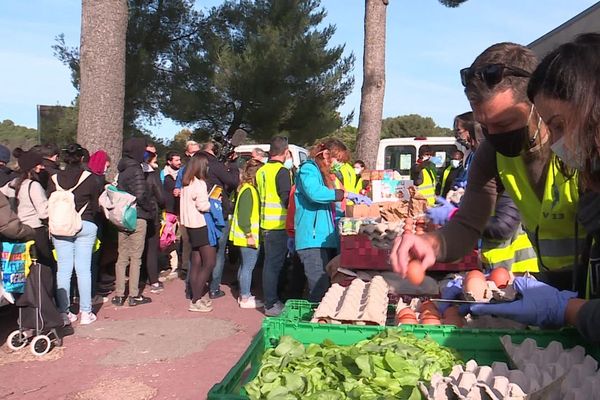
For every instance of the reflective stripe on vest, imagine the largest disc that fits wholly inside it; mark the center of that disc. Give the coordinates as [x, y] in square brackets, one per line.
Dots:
[549, 223]
[236, 235]
[427, 188]
[516, 254]
[272, 212]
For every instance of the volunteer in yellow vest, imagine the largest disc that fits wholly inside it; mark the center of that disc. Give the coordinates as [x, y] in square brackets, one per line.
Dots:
[339, 164]
[273, 181]
[245, 231]
[359, 168]
[517, 150]
[452, 171]
[424, 174]
[504, 243]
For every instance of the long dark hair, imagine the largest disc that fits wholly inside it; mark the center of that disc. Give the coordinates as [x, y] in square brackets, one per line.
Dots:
[197, 167]
[571, 73]
[73, 154]
[23, 175]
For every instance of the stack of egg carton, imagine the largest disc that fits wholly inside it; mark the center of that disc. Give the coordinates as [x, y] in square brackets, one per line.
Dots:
[477, 382]
[571, 373]
[550, 373]
[360, 303]
[382, 234]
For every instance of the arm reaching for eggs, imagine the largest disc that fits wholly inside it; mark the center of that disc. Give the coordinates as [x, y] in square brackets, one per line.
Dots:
[409, 247]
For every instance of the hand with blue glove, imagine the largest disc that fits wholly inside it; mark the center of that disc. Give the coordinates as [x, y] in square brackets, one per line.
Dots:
[291, 246]
[359, 199]
[440, 215]
[453, 291]
[540, 304]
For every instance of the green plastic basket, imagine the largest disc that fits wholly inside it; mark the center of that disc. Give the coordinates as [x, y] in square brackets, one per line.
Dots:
[482, 345]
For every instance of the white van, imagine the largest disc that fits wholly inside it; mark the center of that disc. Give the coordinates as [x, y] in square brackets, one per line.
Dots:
[299, 154]
[400, 154]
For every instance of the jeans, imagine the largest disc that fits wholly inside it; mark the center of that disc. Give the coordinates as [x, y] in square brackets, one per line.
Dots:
[217, 274]
[244, 275]
[314, 261]
[275, 245]
[75, 252]
[131, 247]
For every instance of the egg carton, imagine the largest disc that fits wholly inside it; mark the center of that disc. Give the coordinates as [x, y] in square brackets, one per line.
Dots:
[477, 382]
[360, 303]
[492, 292]
[382, 234]
[351, 226]
[564, 374]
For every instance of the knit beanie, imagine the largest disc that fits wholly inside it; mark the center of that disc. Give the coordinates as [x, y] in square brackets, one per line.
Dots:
[29, 159]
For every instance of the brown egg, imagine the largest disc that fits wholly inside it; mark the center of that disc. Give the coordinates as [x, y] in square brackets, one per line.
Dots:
[415, 273]
[405, 312]
[474, 273]
[454, 320]
[431, 321]
[430, 314]
[476, 287]
[451, 311]
[500, 277]
[429, 305]
[408, 320]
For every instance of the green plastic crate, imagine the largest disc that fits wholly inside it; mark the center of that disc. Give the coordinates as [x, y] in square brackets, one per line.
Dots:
[482, 345]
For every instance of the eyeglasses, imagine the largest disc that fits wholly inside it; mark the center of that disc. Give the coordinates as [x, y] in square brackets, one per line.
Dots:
[491, 74]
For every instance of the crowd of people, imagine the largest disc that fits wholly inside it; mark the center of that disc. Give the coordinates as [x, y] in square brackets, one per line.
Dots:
[190, 211]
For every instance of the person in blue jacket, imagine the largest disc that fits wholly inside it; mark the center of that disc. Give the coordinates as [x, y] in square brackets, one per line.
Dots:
[317, 240]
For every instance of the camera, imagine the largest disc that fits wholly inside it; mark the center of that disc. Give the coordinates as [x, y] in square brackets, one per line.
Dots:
[228, 144]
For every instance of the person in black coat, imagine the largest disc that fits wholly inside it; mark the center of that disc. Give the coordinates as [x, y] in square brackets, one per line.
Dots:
[157, 198]
[131, 244]
[227, 176]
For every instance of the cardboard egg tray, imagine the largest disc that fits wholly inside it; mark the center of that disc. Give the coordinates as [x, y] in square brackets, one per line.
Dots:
[360, 303]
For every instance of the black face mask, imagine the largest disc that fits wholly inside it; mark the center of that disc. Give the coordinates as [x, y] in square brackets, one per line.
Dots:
[464, 143]
[509, 144]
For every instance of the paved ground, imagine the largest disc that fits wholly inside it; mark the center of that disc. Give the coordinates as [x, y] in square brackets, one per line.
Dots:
[154, 351]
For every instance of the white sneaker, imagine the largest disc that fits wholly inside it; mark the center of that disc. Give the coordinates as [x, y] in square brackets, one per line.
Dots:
[250, 302]
[87, 318]
[72, 317]
[200, 306]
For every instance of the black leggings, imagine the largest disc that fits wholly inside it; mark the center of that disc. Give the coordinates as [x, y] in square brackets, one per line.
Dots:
[150, 257]
[203, 261]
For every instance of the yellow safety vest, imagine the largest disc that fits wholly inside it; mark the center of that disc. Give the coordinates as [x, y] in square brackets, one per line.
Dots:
[427, 188]
[272, 212]
[348, 177]
[359, 185]
[236, 234]
[445, 177]
[549, 223]
[516, 254]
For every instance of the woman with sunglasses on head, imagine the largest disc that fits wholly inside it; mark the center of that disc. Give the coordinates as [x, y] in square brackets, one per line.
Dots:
[514, 158]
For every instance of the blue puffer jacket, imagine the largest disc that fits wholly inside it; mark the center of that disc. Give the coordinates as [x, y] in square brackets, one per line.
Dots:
[314, 221]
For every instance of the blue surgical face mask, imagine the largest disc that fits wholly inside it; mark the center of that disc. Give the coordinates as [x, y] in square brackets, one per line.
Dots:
[289, 164]
[571, 159]
[265, 160]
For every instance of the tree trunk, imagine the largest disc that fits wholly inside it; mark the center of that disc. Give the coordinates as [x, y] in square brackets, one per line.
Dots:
[102, 91]
[373, 88]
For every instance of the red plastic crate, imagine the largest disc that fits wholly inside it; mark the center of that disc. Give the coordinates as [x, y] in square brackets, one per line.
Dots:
[358, 253]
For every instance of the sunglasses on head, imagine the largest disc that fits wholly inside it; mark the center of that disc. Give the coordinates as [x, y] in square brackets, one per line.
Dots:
[491, 74]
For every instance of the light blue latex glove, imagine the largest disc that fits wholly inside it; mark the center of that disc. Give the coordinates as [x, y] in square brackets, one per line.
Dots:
[540, 304]
[439, 215]
[291, 246]
[453, 291]
[359, 199]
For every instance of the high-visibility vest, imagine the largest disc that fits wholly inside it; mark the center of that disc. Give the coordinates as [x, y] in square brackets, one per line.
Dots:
[348, 177]
[427, 188]
[515, 254]
[272, 212]
[551, 222]
[445, 177]
[236, 234]
[359, 185]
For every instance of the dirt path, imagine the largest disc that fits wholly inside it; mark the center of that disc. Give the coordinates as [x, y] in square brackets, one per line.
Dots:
[154, 351]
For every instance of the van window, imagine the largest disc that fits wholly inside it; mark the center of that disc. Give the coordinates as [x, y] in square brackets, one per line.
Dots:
[444, 152]
[302, 156]
[400, 158]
